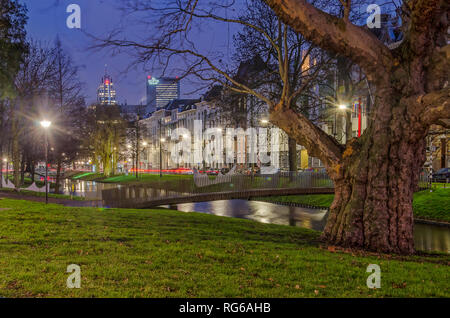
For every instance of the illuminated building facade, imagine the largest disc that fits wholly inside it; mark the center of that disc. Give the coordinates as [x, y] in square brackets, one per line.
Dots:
[161, 91]
[106, 93]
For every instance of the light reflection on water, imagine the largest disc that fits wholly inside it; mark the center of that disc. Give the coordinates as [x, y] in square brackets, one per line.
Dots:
[89, 190]
[260, 211]
[427, 237]
[432, 238]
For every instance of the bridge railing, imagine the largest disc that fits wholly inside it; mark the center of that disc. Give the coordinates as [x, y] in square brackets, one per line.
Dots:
[270, 181]
[424, 180]
[130, 195]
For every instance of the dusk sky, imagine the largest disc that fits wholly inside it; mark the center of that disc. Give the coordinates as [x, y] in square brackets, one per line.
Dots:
[47, 20]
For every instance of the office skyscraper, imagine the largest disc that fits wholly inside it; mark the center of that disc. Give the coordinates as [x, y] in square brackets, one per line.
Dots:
[106, 93]
[161, 91]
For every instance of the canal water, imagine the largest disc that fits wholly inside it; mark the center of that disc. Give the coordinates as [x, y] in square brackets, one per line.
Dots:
[427, 237]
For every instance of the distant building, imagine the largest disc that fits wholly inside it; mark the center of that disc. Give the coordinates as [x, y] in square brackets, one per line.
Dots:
[106, 93]
[133, 111]
[179, 113]
[160, 91]
[438, 147]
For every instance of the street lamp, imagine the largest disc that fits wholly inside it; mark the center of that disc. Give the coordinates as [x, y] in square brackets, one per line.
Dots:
[46, 124]
[342, 107]
[264, 121]
[144, 146]
[160, 156]
[5, 160]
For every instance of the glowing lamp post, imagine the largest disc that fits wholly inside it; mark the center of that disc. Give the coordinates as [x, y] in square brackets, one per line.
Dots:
[161, 141]
[5, 160]
[341, 107]
[46, 125]
[144, 146]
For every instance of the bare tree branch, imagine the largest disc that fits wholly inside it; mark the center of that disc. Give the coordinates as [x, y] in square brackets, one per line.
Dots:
[435, 105]
[336, 35]
[306, 133]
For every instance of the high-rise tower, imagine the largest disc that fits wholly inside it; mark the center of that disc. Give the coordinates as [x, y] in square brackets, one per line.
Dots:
[161, 91]
[106, 93]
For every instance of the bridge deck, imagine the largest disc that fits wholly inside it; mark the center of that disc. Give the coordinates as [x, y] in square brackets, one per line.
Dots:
[114, 199]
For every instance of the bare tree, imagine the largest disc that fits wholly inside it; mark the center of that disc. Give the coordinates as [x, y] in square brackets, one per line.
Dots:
[66, 92]
[31, 87]
[306, 64]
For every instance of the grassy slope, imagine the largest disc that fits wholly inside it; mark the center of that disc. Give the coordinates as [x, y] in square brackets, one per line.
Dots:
[432, 205]
[146, 178]
[156, 253]
[322, 200]
[427, 205]
[88, 176]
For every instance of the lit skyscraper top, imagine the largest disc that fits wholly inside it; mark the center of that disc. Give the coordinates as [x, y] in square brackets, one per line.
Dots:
[161, 91]
[106, 93]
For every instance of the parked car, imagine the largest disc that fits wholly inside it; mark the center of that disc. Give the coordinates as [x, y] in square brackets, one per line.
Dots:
[441, 175]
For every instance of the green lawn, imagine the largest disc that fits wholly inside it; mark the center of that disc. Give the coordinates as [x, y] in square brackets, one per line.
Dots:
[169, 181]
[440, 185]
[318, 200]
[144, 178]
[88, 176]
[163, 253]
[428, 205]
[433, 205]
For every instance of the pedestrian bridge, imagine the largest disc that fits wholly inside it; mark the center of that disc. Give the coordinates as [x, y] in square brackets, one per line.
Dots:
[223, 187]
[132, 197]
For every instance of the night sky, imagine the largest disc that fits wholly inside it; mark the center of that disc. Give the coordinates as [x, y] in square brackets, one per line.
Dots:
[47, 20]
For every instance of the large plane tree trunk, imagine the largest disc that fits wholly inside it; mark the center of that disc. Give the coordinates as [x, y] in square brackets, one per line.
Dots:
[374, 186]
[375, 175]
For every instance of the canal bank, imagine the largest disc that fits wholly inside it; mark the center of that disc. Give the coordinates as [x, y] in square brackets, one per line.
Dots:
[429, 236]
[322, 207]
